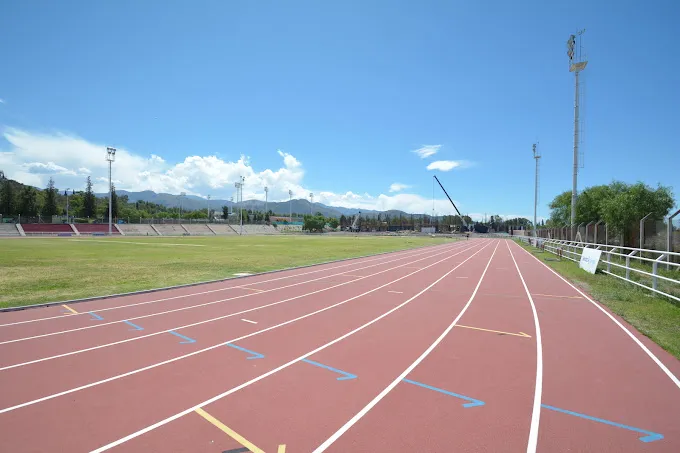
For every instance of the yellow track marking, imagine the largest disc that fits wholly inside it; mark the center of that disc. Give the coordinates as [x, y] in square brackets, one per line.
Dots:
[230, 432]
[521, 334]
[561, 297]
[70, 309]
[281, 449]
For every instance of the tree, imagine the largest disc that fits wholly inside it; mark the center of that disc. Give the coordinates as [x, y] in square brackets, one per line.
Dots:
[624, 208]
[28, 202]
[7, 198]
[114, 203]
[314, 223]
[225, 212]
[50, 207]
[89, 201]
[333, 222]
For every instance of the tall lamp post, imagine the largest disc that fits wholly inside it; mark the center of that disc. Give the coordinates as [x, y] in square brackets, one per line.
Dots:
[110, 157]
[537, 156]
[66, 193]
[311, 203]
[266, 199]
[290, 206]
[180, 205]
[207, 221]
[575, 66]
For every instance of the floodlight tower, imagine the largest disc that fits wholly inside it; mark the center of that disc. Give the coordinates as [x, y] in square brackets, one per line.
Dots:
[181, 194]
[207, 221]
[110, 157]
[576, 65]
[266, 199]
[239, 189]
[66, 193]
[311, 203]
[537, 156]
[290, 206]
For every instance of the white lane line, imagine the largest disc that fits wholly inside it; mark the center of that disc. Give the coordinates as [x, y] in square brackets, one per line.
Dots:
[396, 292]
[248, 320]
[651, 355]
[285, 365]
[538, 389]
[213, 302]
[170, 244]
[399, 378]
[401, 254]
[79, 351]
[461, 277]
[233, 340]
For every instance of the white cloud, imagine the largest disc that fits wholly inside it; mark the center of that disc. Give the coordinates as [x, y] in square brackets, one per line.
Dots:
[426, 151]
[398, 187]
[2, 101]
[447, 165]
[33, 158]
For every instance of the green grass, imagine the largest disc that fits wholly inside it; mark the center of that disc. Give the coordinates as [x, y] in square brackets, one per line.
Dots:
[655, 316]
[53, 269]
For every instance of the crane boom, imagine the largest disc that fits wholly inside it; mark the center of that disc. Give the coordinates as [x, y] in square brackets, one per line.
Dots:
[454, 205]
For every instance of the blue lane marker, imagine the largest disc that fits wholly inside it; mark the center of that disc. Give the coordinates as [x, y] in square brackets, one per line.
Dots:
[255, 355]
[96, 316]
[650, 436]
[473, 402]
[188, 340]
[136, 327]
[346, 376]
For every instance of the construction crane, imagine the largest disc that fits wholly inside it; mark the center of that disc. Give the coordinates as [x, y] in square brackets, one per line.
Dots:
[354, 226]
[462, 219]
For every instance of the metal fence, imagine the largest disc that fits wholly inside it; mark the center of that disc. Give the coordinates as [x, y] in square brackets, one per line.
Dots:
[650, 269]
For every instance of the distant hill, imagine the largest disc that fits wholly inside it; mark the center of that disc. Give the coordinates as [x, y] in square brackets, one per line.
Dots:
[300, 206]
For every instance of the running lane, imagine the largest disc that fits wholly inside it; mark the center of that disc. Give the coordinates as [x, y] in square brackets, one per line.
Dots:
[601, 391]
[302, 405]
[92, 416]
[473, 392]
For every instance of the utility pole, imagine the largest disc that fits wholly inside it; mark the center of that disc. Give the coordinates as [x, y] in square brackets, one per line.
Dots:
[537, 156]
[110, 157]
[575, 66]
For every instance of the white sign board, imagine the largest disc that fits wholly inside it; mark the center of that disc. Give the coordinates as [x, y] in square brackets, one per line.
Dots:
[589, 260]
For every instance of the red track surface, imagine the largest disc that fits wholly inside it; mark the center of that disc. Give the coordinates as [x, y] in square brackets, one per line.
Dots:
[436, 349]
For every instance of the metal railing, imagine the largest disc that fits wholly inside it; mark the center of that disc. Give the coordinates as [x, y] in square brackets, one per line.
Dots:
[633, 265]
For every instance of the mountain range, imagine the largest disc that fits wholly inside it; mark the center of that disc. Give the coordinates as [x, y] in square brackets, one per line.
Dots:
[300, 206]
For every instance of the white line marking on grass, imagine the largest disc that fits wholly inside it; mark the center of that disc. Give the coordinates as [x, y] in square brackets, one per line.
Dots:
[399, 378]
[407, 253]
[285, 365]
[248, 320]
[171, 244]
[536, 412]
[233, 340]
[651, 355]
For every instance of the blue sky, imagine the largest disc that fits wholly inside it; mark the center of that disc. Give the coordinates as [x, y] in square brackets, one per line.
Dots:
[333, 97]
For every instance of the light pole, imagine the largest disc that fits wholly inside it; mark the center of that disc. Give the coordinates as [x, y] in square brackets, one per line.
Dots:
[290, 206]
[575, 66]
[180, 205]
[208, 210]
[311, 204]
[239, 188]
[110, 157]
[266, 199]
[536, 157]
[232, 205]
[66, 193]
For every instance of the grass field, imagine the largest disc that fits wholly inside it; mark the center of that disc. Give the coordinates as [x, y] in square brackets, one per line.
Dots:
[53, 269]
[655, 316]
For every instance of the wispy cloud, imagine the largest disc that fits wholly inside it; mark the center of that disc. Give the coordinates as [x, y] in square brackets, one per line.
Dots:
[443, 165]
[426, 151]
[2, 101]
[398, 187]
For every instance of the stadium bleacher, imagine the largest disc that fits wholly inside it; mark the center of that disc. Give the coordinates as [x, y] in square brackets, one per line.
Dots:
[222, 228]
[259, 229]
[131, 229]
[8, 229]
[46, 229]
[198, 229]
[95, 228]
[166, 229]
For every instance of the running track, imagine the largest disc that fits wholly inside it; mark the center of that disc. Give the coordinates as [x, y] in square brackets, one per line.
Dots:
[468, 346]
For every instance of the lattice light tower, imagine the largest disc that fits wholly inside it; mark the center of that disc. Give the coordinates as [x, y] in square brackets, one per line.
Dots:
[537, 156]
[110, 158]
[576, 65]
